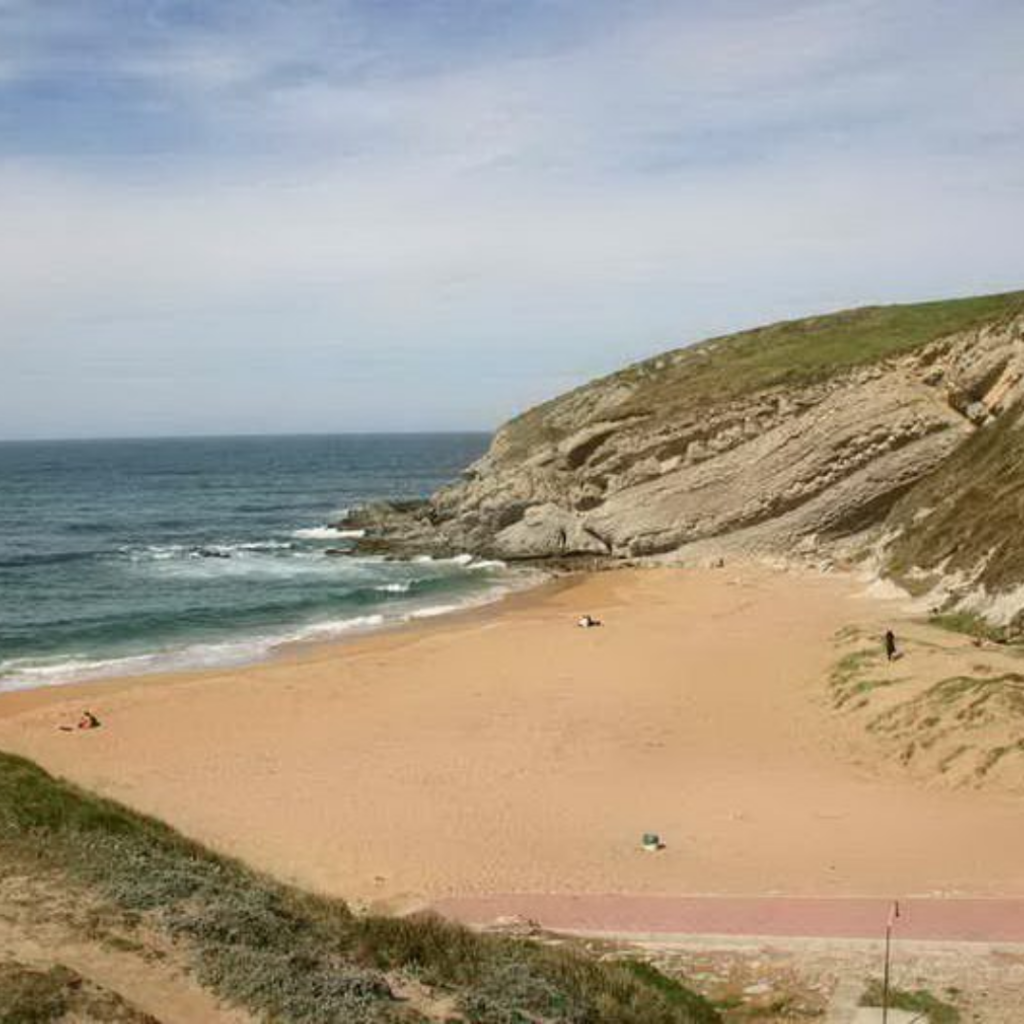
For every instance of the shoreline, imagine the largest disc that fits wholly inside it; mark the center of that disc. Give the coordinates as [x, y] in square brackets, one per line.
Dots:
[503, 750]
[341, 632]
[295, 652]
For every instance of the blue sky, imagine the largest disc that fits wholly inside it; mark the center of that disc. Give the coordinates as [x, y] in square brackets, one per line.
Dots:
[279, 215]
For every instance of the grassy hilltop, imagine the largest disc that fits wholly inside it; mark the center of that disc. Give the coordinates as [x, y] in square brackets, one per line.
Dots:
[790, 353]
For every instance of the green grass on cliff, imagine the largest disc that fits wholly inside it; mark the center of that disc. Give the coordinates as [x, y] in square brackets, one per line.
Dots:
[286, 955]
[791, 353]
[801, 351]
[969, 514]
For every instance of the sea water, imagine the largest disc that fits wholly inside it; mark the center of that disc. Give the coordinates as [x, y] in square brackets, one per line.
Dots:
[132, 556]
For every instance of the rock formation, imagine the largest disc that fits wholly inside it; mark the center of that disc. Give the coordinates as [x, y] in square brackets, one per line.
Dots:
[794, 437]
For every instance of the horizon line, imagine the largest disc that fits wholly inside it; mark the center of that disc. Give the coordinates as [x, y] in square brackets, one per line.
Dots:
[255, 435]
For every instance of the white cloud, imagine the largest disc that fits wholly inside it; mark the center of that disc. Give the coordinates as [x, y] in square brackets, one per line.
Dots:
[562, 207]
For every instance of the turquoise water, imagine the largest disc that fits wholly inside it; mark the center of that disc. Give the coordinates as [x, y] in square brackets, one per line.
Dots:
[132, 556]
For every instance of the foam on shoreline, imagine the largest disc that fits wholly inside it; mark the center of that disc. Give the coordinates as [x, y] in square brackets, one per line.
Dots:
[60, 670]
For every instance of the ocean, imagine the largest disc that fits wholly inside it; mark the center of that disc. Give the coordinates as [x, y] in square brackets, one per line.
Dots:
[122, 557]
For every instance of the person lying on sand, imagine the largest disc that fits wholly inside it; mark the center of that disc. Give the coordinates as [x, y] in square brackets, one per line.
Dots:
[587, 621]
[87, 721]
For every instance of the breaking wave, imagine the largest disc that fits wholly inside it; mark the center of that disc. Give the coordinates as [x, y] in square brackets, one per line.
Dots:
[28, 673]
[327, 533]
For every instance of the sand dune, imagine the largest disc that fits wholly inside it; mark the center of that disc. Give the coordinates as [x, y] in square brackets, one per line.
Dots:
[508, 751]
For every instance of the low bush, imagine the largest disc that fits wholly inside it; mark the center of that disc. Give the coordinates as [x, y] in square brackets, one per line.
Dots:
[287, 955]
[932, 1009]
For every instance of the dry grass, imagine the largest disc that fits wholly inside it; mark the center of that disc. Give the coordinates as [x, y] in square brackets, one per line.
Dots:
[932, 1009]
[289, 956]
[31, 995]
[964, 729]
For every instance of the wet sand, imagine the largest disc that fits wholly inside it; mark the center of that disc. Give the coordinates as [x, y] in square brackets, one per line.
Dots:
[508, 751]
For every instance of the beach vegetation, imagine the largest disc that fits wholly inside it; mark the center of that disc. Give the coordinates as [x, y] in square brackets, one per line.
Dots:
[931, 1008]
[29, 995]
[848, 678]
[848, 634]
[43, 995]
[288, 955]
[968, 623]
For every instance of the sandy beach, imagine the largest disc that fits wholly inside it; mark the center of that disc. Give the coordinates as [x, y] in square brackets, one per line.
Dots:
[507, 751]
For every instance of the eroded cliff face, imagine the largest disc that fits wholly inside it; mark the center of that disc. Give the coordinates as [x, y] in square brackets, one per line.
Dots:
[620, 468]
[784, 463]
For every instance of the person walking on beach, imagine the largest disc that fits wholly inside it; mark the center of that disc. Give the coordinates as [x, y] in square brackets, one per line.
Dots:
[890, 645]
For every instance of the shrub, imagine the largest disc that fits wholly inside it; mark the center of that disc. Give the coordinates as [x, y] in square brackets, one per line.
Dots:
[293, 956]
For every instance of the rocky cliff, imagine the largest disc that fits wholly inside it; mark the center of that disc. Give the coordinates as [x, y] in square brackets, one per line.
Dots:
[897, 425]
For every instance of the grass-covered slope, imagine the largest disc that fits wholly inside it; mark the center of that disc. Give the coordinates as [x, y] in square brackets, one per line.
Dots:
[286, 955]
[790, 353]
[968, 516]
[32, 995]
[801, 351]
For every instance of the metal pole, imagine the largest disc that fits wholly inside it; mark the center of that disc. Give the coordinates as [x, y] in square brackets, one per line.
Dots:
[885, 975]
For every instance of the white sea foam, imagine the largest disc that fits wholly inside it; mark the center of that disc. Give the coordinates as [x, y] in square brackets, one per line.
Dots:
[26, 674]
[324, 630]
[30, 673]
[464, 561]
[170, 552]
[438, 609]
[250, 563]
[327, 533]
[155, 552]
[395, 588]
[487, 563]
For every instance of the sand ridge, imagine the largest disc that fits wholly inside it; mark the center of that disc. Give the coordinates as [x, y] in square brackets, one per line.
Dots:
[512, 752]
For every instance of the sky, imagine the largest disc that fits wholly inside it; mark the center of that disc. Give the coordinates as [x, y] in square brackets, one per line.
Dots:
[260, 216]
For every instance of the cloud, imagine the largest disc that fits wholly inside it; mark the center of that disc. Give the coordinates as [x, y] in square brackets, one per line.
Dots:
[346, 195]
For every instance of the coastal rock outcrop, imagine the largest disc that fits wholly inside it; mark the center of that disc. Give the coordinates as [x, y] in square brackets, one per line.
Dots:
[788, 437]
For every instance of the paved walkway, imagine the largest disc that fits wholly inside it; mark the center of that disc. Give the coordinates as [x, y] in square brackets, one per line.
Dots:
[928, 919]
